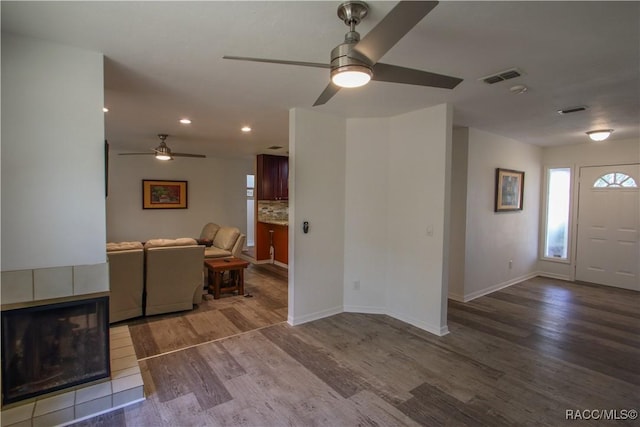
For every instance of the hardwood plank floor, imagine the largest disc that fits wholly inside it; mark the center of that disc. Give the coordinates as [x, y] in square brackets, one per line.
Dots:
[520, 356]
[216, 319]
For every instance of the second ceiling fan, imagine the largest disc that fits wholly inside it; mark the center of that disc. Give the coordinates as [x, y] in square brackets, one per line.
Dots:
[355, 62]
[163, 152]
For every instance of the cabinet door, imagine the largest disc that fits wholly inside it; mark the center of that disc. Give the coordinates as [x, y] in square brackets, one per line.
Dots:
[267, 185]
[281, 244]
[283, 177]
[262, 241]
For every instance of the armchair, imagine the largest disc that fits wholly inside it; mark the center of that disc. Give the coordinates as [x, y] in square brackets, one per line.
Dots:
[126, 280]
[174, 277]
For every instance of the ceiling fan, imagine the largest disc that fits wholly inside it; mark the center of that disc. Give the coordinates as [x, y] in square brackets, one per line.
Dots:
[355, 62]
[163, 152]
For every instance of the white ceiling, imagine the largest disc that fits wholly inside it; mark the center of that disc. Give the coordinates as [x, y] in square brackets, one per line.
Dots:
[163, 61]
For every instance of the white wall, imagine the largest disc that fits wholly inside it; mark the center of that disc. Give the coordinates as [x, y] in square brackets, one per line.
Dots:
[316, 260]
[458, 229]
[417, 205]
[366, 215]
[397, 188]
[217, 193]
[608, 152]
[492, 239]
[53, 197]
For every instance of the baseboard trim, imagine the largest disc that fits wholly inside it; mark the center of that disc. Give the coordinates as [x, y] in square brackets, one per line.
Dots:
[456, 297]
[439, 331]
[364, 309]
[294, 321]
[555, 276]
[436, 330]
[483, 292]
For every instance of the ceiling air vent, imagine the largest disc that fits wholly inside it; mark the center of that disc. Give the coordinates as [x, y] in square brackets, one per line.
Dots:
[511, 73]
[572, 109]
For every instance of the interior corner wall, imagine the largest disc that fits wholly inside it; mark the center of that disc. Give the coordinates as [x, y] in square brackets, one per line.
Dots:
[53, 192]
[317, 195]
[419, 156]
[366, 215]
[216, 191]
[458, 224]
[493, 239]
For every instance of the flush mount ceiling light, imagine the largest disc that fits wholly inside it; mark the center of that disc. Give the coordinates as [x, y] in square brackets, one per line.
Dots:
[185, 121]
[105, 110]
[599, 135]
[518, 89]
[245, 129]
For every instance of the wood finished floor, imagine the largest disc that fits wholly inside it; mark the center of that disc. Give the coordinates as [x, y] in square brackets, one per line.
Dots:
[215, 319]
[520, 356]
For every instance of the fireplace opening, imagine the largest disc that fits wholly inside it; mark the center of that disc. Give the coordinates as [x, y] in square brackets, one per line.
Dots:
[52, 347]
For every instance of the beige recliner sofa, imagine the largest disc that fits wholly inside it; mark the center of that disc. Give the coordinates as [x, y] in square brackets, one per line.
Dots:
[174, 276]
[126, 280]
[222, 242]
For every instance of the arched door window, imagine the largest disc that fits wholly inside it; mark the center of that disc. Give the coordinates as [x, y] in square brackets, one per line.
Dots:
[615, 180]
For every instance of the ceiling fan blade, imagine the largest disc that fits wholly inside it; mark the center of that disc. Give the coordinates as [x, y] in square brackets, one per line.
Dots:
[137, 154]
[402, 18]
[202, 156]
[278, 61]
[394, 74]
[327, 94]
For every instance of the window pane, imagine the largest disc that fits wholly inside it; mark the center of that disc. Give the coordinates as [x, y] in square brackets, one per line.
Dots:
[557, 227]
[615, 180]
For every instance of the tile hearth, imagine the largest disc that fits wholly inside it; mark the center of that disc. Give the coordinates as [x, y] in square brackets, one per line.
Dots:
[124, 388]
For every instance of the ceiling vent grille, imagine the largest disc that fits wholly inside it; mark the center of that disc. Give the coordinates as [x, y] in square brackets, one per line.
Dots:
[572, 109]
[509, 74]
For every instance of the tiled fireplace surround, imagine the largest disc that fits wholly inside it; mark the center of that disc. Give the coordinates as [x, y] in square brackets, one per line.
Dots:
[25, 288]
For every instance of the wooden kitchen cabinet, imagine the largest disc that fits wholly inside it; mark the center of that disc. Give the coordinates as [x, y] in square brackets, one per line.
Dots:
[272, 180]
[280, 242]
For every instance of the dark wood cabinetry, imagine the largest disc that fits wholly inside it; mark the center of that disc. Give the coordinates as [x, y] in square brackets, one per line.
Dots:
[272, 177]
[280, 242]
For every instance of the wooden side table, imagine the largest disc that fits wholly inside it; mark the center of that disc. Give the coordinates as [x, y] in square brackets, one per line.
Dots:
[215, 271]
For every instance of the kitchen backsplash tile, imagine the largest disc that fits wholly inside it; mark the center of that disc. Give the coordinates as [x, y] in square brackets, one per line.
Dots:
[273, 210]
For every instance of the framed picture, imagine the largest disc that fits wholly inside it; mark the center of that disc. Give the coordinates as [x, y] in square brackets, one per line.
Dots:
[164, 194]
[509, 190]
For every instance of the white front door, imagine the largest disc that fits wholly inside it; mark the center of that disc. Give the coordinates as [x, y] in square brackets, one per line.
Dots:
[608, 251]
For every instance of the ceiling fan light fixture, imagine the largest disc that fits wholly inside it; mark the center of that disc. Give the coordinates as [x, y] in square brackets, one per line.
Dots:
[162, 151]
[599, 135]
[350, 76]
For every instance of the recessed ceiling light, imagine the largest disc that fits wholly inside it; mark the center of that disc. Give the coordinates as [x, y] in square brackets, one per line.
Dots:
[105, 110]
[599, 135]
[185, 121]
[245, 129]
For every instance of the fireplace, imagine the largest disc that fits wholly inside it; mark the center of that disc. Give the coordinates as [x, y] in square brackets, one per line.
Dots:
[51, 347]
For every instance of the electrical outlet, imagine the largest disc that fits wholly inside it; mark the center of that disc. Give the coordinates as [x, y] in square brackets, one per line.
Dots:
[356, 285]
